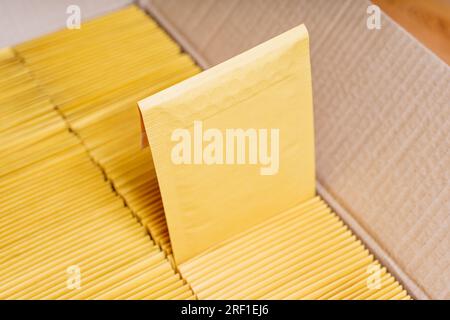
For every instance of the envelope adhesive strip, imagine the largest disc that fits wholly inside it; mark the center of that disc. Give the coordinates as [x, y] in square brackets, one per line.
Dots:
[78, 195]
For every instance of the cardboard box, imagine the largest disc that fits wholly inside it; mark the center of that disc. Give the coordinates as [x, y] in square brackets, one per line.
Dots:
[381, 113]
[381, 119]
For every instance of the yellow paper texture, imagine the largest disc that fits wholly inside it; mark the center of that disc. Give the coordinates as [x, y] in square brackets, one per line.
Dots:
[305, 252]
[95, 75]
[78, 191]
[266, 87]
[57, 211]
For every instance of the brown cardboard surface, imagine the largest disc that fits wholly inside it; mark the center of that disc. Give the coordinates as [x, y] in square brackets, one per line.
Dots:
[22, 20]
[381, 116]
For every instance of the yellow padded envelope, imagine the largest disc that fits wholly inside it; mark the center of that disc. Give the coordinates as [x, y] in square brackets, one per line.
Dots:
[266, 88]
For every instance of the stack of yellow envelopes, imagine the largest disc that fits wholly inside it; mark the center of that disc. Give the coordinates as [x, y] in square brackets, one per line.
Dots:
[79, 195]
[65, 233]
[250, 226]
[304, 253]
[95, 75]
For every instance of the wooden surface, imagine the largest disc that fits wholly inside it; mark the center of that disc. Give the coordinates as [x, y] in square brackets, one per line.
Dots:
[427, 20]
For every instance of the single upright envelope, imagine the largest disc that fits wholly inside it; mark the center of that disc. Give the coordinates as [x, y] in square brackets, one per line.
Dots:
[234, 145]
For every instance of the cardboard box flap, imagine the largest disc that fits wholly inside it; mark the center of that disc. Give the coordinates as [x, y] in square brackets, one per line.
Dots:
[381, 113]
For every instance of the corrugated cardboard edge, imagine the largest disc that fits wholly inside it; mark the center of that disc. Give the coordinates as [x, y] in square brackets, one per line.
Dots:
[426, 20]
[183, 41]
